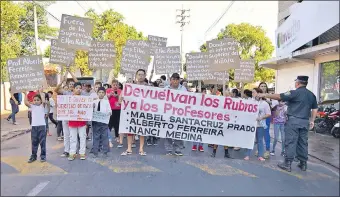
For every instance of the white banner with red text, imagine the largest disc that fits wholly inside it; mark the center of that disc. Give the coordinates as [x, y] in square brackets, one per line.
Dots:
[165, 113]
[76, 108]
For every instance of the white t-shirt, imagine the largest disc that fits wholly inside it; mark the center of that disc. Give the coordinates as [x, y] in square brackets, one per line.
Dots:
[52, 105]
[263, 110]
[38, 115]
[104, 106]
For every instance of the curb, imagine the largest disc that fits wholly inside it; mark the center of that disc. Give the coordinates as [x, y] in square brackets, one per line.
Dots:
[14, 134]
[337, 167]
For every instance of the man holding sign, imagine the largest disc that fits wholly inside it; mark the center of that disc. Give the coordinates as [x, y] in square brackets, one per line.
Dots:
[100, 121]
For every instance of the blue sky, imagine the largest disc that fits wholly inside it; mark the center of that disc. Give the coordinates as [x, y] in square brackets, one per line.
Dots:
[159, 17]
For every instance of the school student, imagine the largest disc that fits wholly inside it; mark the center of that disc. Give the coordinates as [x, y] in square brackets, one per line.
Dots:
[38, 133]
[100, 136]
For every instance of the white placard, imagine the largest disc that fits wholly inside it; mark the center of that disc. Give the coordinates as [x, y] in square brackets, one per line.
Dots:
[101, 117]
[76, 108]
[166, 113]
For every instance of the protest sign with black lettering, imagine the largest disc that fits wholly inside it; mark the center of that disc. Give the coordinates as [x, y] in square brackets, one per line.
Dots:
[166, 113]
[60, 55]
[167, 60]
[156, 41]
[246, 71]
[134, 58]
[102, 55]
[75, 32]
[101, 117]
[223, 54]
[26, 73]
[71, 107]
[217, 78]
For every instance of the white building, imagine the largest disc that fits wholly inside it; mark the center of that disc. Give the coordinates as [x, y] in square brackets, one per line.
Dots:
[307, 43]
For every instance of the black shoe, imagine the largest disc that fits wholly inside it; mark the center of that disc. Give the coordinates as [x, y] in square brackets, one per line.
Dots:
[226, 154]
[178, 153]
[32, 159]
[42, 160]
[302, 165]
[286, 165]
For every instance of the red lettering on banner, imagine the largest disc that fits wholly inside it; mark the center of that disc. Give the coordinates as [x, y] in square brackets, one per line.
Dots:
[239, 105]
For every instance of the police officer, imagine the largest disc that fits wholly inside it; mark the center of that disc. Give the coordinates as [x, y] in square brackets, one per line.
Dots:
[300, 103]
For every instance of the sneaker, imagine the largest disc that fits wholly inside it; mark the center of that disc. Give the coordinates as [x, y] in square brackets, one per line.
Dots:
[133, 146]
[266, 155]
[82, 157]
[272, 153]
[15, 123]
[169, 153]
[177, 153]
[65, 154]
[120, 146]
[194, 148]
[148, 144]
[200, 148]
[155, 144]
[59, 139]
[261, 159]
[32, 159]
[71, 157]
[42, 160]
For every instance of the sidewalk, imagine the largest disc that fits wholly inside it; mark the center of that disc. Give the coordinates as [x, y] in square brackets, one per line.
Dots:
[322, 147]
[8, 130]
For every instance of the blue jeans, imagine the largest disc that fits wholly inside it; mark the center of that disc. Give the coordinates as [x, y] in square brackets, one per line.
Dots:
[109, 135]
[259, 138]
[267, 135]
[15, 110]
[197, 144]
[279, 129]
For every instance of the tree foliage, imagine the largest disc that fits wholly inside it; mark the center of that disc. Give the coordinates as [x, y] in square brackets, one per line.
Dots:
[108, 26]
[11, 37]
[253, 44]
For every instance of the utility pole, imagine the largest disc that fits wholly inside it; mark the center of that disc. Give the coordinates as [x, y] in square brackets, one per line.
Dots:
[36, 29]
[182, 20]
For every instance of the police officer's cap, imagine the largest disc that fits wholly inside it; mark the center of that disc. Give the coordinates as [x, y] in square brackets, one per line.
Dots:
[302, 78]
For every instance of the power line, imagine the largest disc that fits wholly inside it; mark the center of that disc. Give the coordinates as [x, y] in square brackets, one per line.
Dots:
[46, 11]
[81, 6]
[218, 20]
[99, 6]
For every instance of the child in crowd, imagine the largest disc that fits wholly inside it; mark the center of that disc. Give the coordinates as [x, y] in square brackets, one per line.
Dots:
[279, 120]
[100, 136]
[38, 133]
[52, 107]
[47, 111]
[77, 128]
[113, 95]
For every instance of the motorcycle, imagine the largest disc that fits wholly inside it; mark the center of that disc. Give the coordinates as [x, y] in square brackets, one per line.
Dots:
[336, 129]
[326, 125]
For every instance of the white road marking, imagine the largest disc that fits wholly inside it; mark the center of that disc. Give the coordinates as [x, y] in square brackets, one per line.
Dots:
[35, 191]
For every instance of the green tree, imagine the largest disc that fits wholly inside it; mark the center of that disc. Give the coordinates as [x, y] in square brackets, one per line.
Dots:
[253, 44]
[10, 33]
[26, 22]
[47, 52]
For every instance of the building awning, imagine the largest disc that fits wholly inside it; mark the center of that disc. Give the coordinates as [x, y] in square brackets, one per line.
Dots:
[308, 55]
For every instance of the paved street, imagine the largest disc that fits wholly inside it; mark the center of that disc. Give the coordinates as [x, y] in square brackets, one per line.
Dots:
[156, 174]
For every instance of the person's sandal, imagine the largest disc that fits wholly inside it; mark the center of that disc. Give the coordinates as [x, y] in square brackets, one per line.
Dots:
[142, 153]
[126, 153]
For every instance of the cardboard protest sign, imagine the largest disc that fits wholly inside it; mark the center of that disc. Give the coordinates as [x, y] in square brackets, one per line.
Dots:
[102, 55]
[156, 41]
[134, 58]
[75, 32]
[101, 117]
[26, 73]
[246, 72]
[71, 107]
[167, 60]
[223, 54]
[197, 66]
[166, 113]
[60, 55]
[217, 78]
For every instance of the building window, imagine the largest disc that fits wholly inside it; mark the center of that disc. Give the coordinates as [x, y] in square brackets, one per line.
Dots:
[329, 81]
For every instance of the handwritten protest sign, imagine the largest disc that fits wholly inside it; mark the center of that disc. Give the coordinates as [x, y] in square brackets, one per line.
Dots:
[166, 113]
[102, 55]
[197, 65]
[101, 117]
[223, 54]
[217, 78]
[156, 41]
[26, 73]
[60, 55]
[135, 55]
[74, 107]
[167, 60]
[246, 71]
[75, 32]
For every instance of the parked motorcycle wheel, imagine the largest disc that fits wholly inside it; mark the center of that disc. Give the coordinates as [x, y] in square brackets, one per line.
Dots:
[316, 122]
[322, 128]
[336, 132]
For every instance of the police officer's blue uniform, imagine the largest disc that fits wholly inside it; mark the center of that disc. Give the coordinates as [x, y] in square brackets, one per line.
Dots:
[299, 102]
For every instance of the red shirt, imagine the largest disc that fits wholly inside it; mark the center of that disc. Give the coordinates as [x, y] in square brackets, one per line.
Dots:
[113, 100]
[30, 96]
